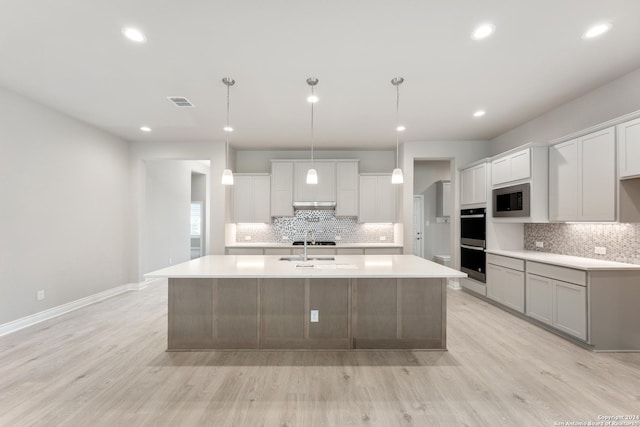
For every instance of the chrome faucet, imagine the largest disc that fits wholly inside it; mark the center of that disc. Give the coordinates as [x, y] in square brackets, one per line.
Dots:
[311, 233]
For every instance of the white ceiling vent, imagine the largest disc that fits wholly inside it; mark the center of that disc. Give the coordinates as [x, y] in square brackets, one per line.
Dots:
[180, 101]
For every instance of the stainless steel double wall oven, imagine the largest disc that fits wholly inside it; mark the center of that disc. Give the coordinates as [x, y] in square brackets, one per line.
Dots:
[473, 235]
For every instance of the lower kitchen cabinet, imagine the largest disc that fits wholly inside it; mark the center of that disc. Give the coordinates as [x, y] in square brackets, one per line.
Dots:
[505, 281]
[558, 303]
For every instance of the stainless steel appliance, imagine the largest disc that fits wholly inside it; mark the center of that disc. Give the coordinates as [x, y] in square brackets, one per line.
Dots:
[512, 201]
[473, 242]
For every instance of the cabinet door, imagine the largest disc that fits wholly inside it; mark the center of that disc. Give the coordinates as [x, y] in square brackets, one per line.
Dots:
[386, 199]
[513, 289]
[446, 199]
[480, 184]
[494, 282]
[466, 187]
[563, 181]
[501, 170]
[242, 198]
[347, 189]
[326, 187]
[598, 176]
[367, 208]
[629, 148]
[540, 298]
[570, 308]
[261, 198]
[282, 189]
[521, 165]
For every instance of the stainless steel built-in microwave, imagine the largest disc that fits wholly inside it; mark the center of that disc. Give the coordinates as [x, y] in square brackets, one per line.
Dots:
[512, 201]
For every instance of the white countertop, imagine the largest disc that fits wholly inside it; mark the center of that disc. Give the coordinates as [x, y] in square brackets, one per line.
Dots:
[579, 263]
[344, 266]
[336, 246]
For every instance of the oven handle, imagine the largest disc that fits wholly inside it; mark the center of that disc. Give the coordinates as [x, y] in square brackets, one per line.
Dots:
[473, 248]
[473, 216]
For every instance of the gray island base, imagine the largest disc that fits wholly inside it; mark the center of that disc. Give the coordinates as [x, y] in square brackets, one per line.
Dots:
[260, 302]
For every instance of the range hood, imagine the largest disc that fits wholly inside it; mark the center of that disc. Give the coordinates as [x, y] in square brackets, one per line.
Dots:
[301, 206]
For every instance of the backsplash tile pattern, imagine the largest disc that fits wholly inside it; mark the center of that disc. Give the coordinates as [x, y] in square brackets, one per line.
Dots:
[323, 222]
[622, 241]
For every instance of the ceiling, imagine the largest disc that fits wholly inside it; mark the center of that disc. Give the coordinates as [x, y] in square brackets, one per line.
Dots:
[71, 55]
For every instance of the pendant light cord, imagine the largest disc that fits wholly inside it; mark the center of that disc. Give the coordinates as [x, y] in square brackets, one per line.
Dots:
[397, 123]
[312, 94]
[226, 149]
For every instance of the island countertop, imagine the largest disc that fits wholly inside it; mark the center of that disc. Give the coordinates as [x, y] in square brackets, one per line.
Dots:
[344, 266]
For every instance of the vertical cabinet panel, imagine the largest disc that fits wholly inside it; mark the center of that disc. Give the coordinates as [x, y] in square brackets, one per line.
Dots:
[331, 298]
[418, 323]
[282, 188]
[513, 289]
[251, 196]
[323, 191]
[283, 312]
[540, 298]
[347, 189]
[570, 308]
[473, 185]
[190, 313]
[377, 199]
[629, 148]
[376, 308]
[235, 319]
[563, 181]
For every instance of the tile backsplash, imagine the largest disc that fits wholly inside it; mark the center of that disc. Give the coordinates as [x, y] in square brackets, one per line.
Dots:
[622, 241]
[323, 222]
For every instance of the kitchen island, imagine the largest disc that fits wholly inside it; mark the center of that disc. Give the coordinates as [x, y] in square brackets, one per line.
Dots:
[348, 302]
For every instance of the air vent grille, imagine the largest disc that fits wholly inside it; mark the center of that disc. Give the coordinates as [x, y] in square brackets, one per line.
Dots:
[180, 101]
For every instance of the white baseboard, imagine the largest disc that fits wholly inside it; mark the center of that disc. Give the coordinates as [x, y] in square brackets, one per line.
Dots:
[41, 316]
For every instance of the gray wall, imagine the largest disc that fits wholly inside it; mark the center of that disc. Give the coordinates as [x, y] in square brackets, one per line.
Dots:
[614, 99]
[66, 209]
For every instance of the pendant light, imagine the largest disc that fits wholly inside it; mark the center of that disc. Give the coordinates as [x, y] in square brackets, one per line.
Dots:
[396, 176]
[227, 175]
[312, 175]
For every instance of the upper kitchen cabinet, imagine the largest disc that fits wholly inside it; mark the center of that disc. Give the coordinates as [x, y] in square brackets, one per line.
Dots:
[473, 185]
[281, 188]
[511, 167]
[347, 188]
[582, 178]
[629, 149]
[251, 198]
[377, 198]
[323, 191]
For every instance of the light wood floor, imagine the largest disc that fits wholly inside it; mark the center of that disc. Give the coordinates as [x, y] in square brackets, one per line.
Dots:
[106, 365]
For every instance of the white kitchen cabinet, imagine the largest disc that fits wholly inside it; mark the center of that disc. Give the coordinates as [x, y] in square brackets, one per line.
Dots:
[377, 198]
[383, 251]
[473, 185]
[511, 167]
[323, 191]
[347, 188]
[505, 281]
[251, 198]
[281, 188]
[629, 148]
[582, 178]
[557, 296]
[443, 199]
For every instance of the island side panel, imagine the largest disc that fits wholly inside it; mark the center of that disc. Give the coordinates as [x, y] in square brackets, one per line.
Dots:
[190, 314]
[235, 314]
[282, 313]
[331, 298]
[375, 312]
[423, 302]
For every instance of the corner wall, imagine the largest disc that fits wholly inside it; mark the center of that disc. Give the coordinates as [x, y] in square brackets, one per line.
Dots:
[66, 206]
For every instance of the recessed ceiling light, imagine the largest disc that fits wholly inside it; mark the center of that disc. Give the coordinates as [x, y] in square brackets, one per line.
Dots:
[483, 31]
[134, 34]
[596, 30]
[401, 128]
[145, 128]
[479, 113]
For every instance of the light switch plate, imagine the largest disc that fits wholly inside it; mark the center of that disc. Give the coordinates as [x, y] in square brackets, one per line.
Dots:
[338, 238]
[539, 244]
[315, 314]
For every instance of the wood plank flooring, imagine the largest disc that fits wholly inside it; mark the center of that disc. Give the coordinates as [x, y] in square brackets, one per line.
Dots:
[106, 365]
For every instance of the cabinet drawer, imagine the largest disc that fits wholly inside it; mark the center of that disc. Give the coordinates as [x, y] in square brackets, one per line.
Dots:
[564, 274]
[513, 263]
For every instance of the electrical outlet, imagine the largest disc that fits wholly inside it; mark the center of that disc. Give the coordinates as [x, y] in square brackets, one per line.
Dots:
[601, 250]
[315, 316]
[40, 295]
[285, 237]
[170, 261]
[539, 244]
[383, 238]
[338, 238]
[247, 238]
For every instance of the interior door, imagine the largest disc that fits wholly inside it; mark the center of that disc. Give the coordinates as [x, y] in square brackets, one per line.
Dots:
[418, 226]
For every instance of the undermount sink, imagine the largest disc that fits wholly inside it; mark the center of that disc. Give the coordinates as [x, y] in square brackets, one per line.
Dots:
[311, 258]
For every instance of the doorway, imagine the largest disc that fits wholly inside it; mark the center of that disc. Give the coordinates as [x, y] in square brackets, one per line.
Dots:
[418, 225]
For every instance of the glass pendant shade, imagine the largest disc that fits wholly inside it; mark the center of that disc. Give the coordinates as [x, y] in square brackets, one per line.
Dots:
[312, 176]
[396, 177]
[227, 177]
